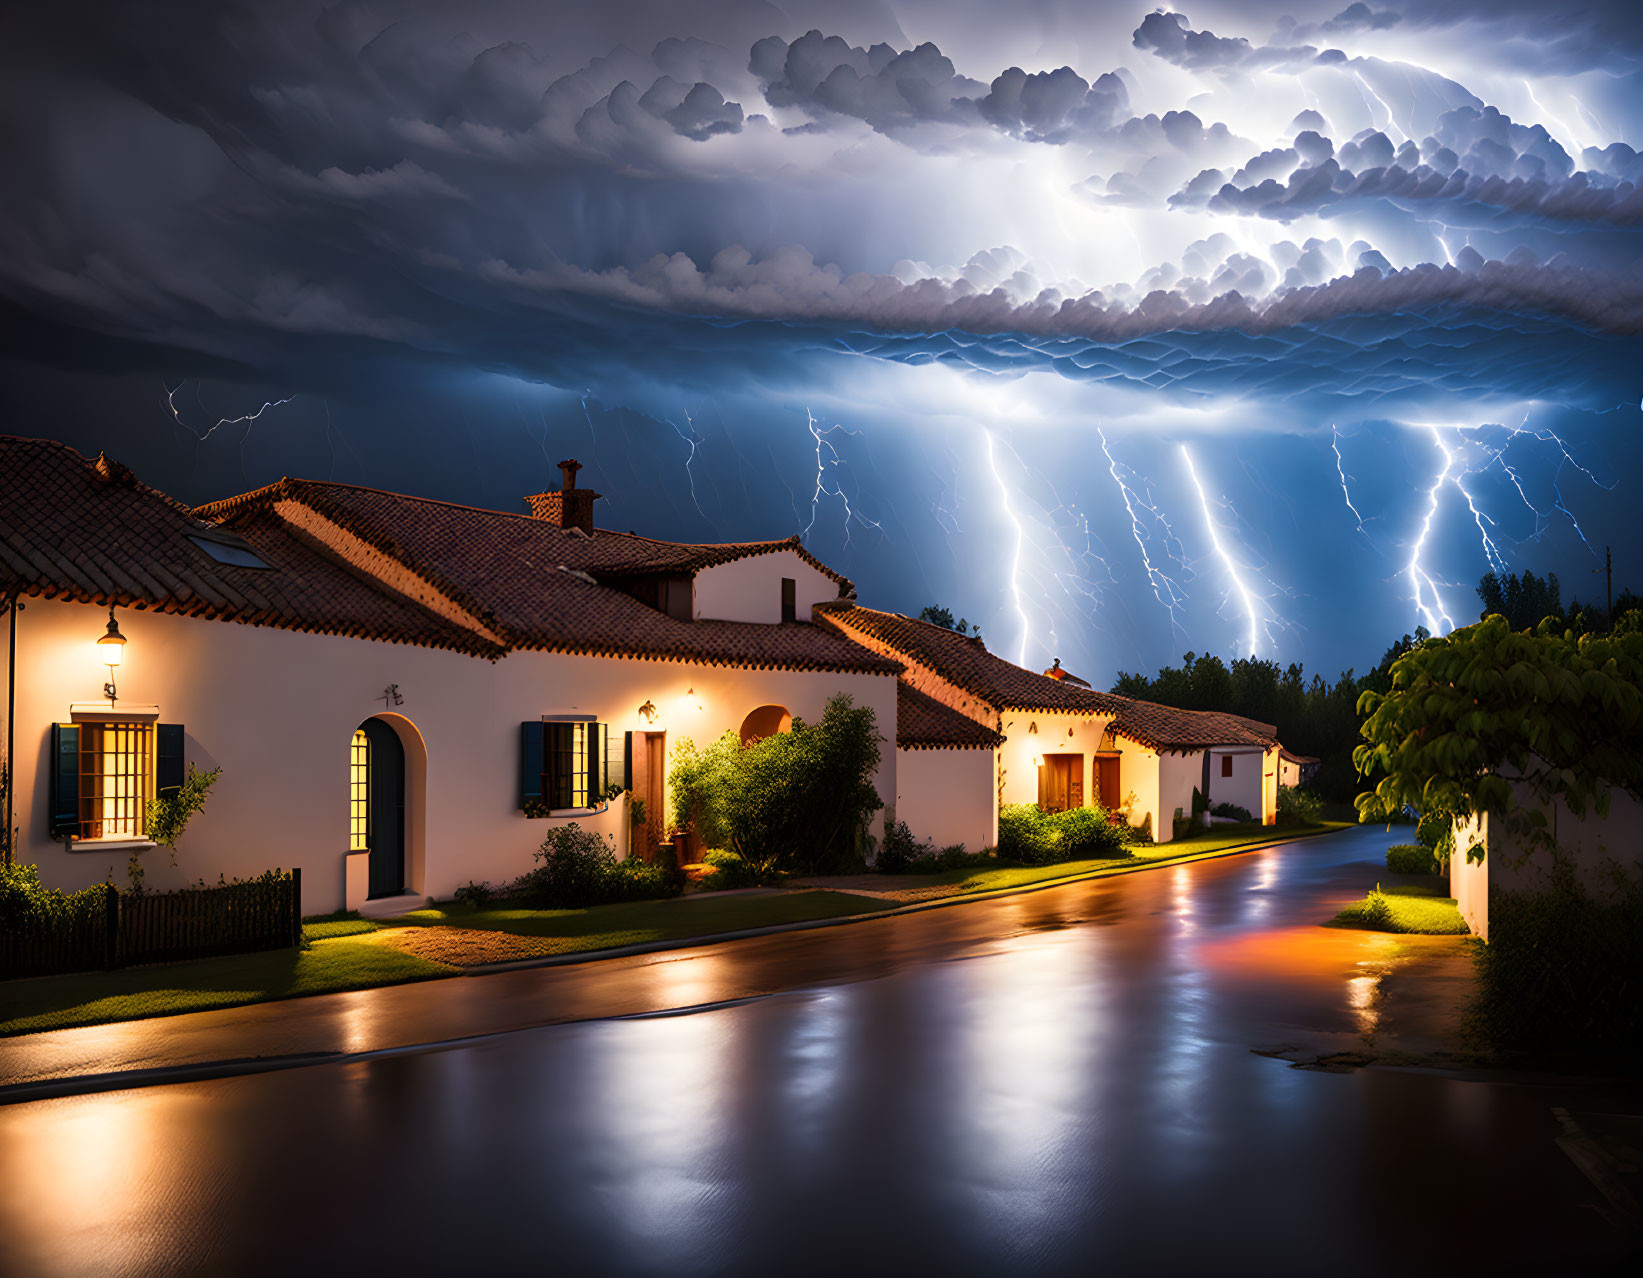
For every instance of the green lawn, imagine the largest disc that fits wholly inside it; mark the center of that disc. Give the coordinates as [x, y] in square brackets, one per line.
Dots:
[91, 998]
[1221, 838]
[602, 927]
[1404, 909]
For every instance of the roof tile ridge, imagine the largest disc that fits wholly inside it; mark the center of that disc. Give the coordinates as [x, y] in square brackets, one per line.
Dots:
[473, 614]
[380, 587]
[427, 501]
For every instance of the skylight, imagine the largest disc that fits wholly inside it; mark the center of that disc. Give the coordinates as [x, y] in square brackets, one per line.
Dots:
[233, 552]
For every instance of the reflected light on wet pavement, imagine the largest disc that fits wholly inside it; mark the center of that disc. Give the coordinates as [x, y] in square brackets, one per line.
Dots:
[1057, 1083]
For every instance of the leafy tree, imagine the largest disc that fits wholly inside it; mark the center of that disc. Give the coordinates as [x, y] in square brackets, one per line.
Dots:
[1476, 719]
[1312, 716]
[1524, 600]
[943, 617]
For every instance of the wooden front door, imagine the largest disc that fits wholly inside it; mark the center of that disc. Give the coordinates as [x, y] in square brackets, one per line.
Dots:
[651, 789]
[1106, 783]
[385, 791]
[1061, 782]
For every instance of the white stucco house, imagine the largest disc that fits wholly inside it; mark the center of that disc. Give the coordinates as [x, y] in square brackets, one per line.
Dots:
[1062, 744]
[405, 694]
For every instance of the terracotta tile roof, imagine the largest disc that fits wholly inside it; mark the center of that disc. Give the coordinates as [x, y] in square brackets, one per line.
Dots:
[964, 662]
[533, 585]
[425, 530]
[923, 723]
[1292, 757]
[90, 531]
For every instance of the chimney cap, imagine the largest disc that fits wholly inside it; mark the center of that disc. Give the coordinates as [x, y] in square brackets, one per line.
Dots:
[567, 471]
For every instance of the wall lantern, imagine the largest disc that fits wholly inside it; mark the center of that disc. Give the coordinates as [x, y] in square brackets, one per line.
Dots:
[647, 712]
[1033, 727]
[690, 695]
[109, 648]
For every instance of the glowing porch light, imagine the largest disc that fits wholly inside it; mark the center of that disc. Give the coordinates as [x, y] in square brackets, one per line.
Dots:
[109, 649]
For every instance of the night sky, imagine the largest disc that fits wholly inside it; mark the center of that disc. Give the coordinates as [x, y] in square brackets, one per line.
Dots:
[1258, 326]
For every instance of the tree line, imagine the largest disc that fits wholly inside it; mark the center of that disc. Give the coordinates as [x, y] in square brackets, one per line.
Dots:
[1316, 717]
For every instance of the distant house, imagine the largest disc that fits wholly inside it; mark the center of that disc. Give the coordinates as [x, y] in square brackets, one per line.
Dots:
[405, 694]
[1066, 745]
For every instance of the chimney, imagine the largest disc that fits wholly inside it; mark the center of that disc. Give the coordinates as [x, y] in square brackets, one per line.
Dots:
[570, 507]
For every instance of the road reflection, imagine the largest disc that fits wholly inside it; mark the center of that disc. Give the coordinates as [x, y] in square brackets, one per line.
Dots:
[1075, 1094]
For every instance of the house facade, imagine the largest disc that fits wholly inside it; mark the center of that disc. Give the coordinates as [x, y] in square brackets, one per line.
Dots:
[405, 695]
[1063, 744]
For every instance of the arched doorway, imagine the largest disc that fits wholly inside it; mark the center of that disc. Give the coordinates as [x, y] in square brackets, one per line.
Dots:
[764, 722]
[376, 804]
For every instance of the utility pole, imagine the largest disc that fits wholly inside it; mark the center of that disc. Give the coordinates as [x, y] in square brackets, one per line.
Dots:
[1608, 580]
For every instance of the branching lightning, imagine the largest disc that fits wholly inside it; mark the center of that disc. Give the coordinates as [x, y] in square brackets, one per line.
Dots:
[1436, 618]
[1340, 469]
[1015, 552]
[1164, 588]
[832, 461]
[693, 439]
[1256, 612]
[245, 419]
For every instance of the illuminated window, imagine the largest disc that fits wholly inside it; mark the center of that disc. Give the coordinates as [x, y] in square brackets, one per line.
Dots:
[116, 779]
[569, 766]
[359, 793]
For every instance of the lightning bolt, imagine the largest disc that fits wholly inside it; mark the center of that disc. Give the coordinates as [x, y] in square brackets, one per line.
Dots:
[1253, 612]
[1164, 588]
[834, 461]
[1340, 469]
[245, 418]
[1418, 576]
[1015, 552]
[693, 439]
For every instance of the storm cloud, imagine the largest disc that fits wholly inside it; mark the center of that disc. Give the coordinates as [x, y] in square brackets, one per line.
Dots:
[1337, 216]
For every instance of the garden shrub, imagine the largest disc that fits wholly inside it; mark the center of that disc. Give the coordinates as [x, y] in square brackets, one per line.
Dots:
[576, 868]
[1410, 858]
[26, 902]
[1031, 836]
[793, 801]
[1232, 810]
[1560, 967]
[1297, 806]
[900, 852]
[731, 871]
[1025, 835]
[1087, 833]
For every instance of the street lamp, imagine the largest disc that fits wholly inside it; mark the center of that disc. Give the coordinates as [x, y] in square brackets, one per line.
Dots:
[109, 648]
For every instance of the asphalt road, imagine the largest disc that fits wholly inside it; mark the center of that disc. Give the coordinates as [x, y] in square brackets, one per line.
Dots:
[1062, 1082]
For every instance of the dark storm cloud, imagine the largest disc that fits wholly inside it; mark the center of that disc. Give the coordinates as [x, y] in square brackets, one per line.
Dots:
[253, 179]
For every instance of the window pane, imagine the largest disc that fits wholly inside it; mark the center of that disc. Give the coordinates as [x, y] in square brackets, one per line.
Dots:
[116, 779]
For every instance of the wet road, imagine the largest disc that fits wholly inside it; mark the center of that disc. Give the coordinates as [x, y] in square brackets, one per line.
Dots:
[1059, 1082]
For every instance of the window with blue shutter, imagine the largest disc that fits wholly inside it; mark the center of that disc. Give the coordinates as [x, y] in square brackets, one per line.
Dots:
[168, 757]
[530, 764]
[564, 765]
[65, 779]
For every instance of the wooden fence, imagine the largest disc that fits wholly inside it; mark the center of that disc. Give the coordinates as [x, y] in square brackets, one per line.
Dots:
[123, 929]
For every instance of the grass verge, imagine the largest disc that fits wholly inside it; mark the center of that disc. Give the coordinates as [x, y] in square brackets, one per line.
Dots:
[1221, 838]
[602, 927]
[92, 998]
[1410, 909]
